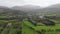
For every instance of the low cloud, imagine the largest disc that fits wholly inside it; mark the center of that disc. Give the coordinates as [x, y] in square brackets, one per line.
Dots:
[23, 2]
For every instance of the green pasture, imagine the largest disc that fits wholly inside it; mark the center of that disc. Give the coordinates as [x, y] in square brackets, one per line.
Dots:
[27, 30]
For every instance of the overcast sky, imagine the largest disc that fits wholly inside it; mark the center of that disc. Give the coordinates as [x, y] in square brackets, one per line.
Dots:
[42, 3]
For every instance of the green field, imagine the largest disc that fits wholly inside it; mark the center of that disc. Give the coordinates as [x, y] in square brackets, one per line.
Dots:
[48, 29]
[23, 27]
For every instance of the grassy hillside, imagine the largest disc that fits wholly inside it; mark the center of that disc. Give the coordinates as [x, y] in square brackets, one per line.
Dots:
[46, 29]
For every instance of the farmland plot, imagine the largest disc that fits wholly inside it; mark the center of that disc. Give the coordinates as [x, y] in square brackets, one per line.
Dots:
[29, 28]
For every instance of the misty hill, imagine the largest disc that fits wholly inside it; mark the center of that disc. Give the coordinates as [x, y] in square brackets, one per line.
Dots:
[9, 11]
[55, 6]
[3, 8]
[52, 9]
[27, 7]
[31, 9]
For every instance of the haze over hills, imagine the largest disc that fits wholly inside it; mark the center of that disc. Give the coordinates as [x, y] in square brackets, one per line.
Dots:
[9, 11]
[54, 6]
[27, 8]
[32, 9]
[52, 9]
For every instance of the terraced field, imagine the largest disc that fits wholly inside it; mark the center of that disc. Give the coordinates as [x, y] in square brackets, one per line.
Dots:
[29, 28]
[10, 26]
[14, 26]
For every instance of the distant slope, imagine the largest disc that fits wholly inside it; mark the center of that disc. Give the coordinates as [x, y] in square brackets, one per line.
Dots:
[31, 9]
[10, 11]
[52, 9]
[27, 8]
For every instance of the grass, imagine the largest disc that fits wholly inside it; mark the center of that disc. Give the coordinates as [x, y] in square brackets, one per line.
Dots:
[27, 30]
[25, 27]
